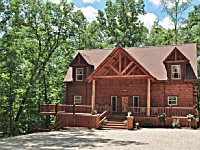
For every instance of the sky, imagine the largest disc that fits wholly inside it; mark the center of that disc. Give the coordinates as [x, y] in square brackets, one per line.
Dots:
[152, 7]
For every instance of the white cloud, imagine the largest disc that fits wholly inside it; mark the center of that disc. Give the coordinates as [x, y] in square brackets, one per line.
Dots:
[89, 12]
[148, 19]
[155, 2]
[90, 1]
[166, 23]
[58, 1]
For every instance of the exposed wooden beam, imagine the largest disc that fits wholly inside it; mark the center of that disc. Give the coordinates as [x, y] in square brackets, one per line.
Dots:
[124, 76]
[125, 69]
[132, 70]
[93, 96]
[120, 62]
[175, 55]
[148, 96]
[177, 61]
[113, 68]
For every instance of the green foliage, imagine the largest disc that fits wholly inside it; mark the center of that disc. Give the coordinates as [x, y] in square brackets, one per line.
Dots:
[175, 9]
[162, 117]
[105, 121]
[190, 117]
[125, 122]
[137, 125]
[176, 123]
[120, 24]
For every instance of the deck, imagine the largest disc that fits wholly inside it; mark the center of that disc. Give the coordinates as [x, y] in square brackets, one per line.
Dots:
[80, 115]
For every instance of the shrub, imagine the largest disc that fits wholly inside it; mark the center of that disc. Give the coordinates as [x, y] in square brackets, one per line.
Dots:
[176, 123]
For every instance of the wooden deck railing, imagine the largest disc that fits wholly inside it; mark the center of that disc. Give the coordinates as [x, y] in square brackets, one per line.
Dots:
[169, 111]
[64, 108]
[137, 111]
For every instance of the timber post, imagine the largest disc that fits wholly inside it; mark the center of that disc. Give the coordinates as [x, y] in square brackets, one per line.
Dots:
[74, 119]
[93, 96]
[148, 96]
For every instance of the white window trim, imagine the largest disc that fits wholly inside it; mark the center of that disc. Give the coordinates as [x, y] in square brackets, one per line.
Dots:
[138, 101]
[175, 100]
[79, 74]
[173, 72]
[79, 98]
[115, 104]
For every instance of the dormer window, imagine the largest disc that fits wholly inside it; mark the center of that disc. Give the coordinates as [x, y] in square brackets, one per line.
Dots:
[176, 72]
[79, 74]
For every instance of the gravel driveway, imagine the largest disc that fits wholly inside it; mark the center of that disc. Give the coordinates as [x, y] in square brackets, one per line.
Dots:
[150, 139]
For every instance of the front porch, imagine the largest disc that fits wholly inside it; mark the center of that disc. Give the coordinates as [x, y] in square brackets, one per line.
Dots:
[80, 115]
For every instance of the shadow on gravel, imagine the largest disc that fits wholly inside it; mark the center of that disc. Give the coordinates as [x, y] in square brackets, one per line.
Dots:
[62, 140]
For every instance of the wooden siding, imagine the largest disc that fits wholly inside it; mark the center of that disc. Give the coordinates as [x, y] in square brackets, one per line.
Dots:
[78, 120]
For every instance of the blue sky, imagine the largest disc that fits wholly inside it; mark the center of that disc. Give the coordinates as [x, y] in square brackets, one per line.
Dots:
[152, 7]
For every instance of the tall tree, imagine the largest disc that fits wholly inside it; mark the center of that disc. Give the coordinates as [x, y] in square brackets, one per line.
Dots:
[36, 37]
[175, 9]
[192, 29]
[121, 23]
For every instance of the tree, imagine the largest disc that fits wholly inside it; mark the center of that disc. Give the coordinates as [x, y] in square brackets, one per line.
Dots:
[121, 24]
[192, 29]
[36, 43]
[175, 9]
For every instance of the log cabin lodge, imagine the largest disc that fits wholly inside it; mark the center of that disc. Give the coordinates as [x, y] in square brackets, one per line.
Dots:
[135, 84]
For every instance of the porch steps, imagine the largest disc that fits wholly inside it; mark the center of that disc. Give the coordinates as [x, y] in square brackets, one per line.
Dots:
[112, 125]
[118, 118]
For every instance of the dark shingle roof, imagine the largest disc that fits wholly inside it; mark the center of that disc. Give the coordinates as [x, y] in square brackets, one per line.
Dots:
[151, 58]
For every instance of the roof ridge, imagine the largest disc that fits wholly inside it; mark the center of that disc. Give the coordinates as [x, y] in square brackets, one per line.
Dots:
[161, 46]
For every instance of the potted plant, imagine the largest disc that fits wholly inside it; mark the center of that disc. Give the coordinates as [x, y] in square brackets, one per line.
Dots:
[190, 117]
[137, 125]
[162, 118]
[176, 123]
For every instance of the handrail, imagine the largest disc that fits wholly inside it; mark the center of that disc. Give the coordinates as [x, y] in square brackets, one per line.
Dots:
[102, 120]
[102, 114]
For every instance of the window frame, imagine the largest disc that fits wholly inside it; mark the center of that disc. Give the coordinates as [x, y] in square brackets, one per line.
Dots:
[138, 101]
[176, 100]
[79, 74]
[75, 100]
[179, 73]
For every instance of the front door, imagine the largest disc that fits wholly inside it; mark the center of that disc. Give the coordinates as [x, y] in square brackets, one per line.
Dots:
[124, 104]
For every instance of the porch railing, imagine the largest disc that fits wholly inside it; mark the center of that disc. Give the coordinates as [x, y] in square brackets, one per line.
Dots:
[169, 111]
[136, 111]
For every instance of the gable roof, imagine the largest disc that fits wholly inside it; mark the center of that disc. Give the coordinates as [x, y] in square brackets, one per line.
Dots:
[151, 58]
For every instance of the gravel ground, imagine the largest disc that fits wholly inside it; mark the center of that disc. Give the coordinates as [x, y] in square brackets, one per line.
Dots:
[143, 139]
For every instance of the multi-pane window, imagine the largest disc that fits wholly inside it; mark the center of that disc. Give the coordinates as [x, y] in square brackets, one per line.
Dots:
[77, 99]
[172, 100]
[79, 74]
[176, 72]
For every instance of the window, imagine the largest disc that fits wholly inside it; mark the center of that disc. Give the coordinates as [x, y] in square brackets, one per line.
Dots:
[135, 101]
[114, 103]
[176, 72]
[77, 99]
[79, 74]
[172, 100]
